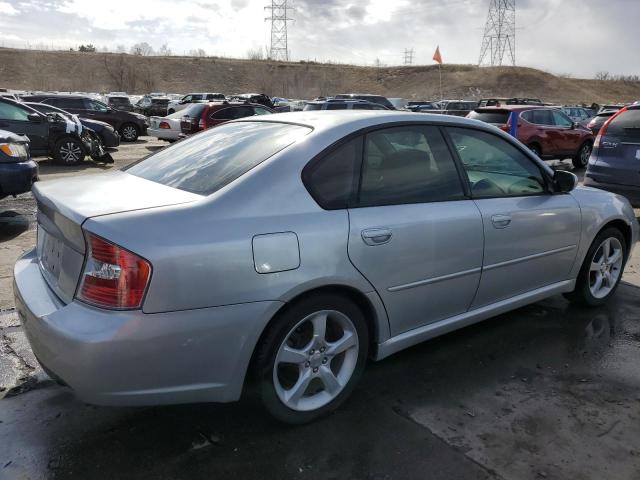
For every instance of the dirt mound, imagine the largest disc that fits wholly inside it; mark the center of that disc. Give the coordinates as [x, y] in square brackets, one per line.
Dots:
[103, 72]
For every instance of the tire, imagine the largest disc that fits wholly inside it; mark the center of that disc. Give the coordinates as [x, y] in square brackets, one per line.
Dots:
[585, 292]
[535, 149]
[308, 363]
[581, 158]
[69, 151]
[129, 132]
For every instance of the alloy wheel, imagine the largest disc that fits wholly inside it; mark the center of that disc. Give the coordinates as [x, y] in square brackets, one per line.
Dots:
[585, 153]
[129, 132]
[70, 152]
[606, 267]
[316, 360]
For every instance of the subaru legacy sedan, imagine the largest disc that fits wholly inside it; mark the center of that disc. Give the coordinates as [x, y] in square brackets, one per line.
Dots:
[288, 250]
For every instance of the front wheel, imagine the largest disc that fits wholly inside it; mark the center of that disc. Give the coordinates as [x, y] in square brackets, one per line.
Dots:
[311, 358]
[602, 269]
[68, 151]
[129, 132]
[582, 157]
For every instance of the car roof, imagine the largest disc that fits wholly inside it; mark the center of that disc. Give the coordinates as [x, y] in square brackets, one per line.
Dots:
[353, 120]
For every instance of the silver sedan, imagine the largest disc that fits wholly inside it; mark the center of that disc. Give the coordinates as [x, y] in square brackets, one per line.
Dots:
[290, 249]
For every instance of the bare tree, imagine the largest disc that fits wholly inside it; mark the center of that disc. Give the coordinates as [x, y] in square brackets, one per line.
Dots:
[121, 71]
[255, 54]
[164, 51]
[142, 49]
[603, 75]
[197, 53]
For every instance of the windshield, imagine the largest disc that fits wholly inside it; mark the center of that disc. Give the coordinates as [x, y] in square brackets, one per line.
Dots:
[208, 161]
[119, 101]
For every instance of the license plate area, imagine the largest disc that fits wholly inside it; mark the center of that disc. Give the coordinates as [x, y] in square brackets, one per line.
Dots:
[50, 251]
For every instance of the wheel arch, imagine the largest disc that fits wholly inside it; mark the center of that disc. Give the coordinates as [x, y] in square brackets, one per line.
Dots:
[624, 228]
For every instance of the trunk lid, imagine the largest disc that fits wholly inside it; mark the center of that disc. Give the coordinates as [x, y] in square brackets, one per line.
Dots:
[63, 206]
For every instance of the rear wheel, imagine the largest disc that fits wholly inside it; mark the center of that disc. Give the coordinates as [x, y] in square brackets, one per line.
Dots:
[68, 151]
[581, 158]
[602, 269]
[129, 132]
[311, 358]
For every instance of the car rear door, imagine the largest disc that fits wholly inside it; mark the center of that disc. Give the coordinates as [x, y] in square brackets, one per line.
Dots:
[14, 118]
[531, 235]
[413, 233]
[617, 154]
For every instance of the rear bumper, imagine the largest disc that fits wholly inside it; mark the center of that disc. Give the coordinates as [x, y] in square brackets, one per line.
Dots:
[630, 192]
[133, 358]
[16, 178]
[164, 134]
[110, 139]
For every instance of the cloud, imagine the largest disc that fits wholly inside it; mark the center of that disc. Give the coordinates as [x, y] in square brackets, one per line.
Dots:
[579, 37]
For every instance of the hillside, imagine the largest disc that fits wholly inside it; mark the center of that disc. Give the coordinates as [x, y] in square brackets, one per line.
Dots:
[101, 72]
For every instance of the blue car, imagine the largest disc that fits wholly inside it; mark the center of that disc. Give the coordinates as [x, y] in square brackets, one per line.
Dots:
[613, 165]
[17, 170]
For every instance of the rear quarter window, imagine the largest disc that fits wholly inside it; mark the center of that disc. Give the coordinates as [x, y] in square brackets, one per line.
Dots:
[626, 125]
[206, 162]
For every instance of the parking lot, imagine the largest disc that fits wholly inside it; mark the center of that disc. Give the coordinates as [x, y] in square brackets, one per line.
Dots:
[546, 391]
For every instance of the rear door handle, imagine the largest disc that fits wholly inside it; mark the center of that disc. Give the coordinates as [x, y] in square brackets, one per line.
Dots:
[376, 236]
[501, 221]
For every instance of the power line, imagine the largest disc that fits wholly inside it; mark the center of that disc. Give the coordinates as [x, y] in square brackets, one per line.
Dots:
[499, 37]
[408, 56]
[279, 18]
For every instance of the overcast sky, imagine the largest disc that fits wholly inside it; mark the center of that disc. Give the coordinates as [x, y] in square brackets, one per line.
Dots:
[578, 37]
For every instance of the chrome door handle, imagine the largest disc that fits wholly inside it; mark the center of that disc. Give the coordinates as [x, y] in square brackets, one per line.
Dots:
[501, 221]
[376, 236]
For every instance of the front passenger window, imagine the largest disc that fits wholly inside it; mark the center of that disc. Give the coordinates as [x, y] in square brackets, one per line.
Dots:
[494, 167]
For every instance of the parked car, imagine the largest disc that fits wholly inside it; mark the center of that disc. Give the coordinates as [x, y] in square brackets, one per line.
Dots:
[176, 106]
[53, 134]
[379, 99]
[152, 106]
[548, 132]
[130, 125]
[336, 104]
[598, 121]
[119, 102]
[577, 114]
[293, 248]
[18, 171]
[108, 135]
[611, 107]
[458, 108]
[168, 128]
[613, 165]
[206, 115]
[498, 102]
[258, 98]
[423, 106]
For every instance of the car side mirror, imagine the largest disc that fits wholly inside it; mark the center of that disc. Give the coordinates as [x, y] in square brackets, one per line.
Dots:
[35, 118]
[564, 182]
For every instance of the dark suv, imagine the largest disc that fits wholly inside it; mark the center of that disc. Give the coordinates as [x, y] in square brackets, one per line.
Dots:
[119, 103]
[130, 125]
[206, 115]
[152, 106]
[613, 165]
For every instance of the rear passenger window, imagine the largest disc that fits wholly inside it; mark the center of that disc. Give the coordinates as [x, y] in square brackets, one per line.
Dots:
[332, 180]
[66, 103]
[494, 167]
[223, 114]
[336, 106]
[409, 164]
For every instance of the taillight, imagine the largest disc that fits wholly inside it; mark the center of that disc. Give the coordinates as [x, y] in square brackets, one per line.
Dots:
[113, 277]
[165, 125]
[605, 127]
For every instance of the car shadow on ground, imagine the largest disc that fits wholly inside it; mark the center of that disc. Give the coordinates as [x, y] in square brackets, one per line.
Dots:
[12, 224]
[48, 166]
[545, 346]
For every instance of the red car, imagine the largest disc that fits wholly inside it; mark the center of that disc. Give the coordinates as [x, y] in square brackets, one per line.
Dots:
[207, 115]
[547, 131]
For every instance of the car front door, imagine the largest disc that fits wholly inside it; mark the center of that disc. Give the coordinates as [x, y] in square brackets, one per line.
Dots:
[16, 119]
[97, 111]
[413, 233]
[569, 137]
[531, 235]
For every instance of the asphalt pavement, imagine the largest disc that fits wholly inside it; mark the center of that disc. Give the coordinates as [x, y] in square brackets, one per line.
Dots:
[547, 391]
